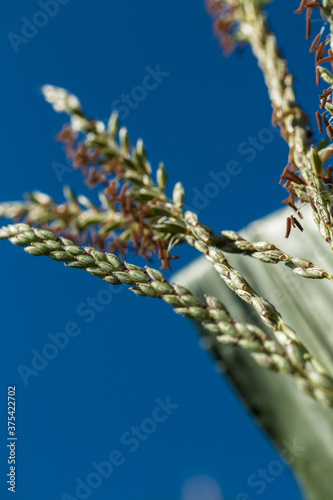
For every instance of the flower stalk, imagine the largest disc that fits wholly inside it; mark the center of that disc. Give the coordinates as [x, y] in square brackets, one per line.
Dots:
[244, 21]
[292, 359]
[136, 213]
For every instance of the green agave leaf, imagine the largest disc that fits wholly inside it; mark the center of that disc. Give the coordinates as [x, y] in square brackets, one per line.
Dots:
[286, 415]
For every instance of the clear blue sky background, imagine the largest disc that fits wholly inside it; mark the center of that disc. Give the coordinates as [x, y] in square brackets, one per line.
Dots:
[107, 379]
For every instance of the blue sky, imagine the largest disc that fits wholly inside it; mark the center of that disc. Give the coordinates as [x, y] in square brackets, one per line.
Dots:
[208, 117]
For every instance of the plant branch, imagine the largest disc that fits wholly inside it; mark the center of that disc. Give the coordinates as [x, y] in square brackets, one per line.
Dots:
[150, 214]
[214, 317]
[244, 20]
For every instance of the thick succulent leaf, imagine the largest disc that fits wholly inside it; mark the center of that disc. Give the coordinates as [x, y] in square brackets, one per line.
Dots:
[286, 415]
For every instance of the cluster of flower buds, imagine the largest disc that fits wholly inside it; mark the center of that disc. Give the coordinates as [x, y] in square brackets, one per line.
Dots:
[62, 101]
